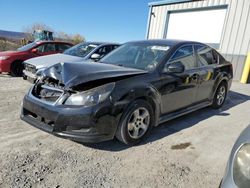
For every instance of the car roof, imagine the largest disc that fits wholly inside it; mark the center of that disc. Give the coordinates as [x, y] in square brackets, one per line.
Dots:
[168, 42]
[102, 43]
[52, 41]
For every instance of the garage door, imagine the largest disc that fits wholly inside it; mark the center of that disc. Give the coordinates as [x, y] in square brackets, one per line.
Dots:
[204, 26]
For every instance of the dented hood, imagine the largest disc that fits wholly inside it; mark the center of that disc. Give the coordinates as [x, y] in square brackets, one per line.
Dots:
[73, 74]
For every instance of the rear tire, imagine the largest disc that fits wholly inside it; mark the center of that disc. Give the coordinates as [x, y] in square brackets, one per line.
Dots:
[136, 122]
[220, 95]
[16, 69]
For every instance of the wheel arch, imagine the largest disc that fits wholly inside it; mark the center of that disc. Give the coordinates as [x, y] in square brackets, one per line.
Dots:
[221, 79]
[13, 63]
[148, 94]
[17, 60]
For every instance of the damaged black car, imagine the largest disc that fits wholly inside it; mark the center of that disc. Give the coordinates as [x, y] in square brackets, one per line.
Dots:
[136, 87]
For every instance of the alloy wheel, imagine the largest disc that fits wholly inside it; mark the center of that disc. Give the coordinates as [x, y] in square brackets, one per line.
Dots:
[138, 123]
[221, 95]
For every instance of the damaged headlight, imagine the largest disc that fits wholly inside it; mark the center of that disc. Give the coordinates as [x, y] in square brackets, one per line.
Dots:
[241, 167]
[92, 96]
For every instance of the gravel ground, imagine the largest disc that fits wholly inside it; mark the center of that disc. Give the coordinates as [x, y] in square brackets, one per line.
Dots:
[190, 151]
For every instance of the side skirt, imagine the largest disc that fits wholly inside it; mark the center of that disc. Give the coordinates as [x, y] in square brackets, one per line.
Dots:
[182, 112]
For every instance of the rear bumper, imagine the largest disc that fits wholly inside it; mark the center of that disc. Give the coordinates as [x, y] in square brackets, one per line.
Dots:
[229, 83]
[89, 124]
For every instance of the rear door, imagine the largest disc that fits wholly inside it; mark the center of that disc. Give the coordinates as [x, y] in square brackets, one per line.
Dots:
[207, 62]
[178, 90]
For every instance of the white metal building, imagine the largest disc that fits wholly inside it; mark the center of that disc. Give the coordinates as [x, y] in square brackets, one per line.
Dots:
[224, 24]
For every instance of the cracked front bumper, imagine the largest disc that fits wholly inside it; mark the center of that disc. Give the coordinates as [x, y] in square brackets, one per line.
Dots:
[83, 124]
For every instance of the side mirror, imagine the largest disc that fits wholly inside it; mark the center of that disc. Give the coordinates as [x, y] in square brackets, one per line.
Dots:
[95, 57]
[176, 67]
[34, 50]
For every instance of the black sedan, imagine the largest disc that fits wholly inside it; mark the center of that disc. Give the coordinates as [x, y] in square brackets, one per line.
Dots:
[136, 87]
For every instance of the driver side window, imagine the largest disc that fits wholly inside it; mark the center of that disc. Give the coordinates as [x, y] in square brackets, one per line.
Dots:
[104, 50]
[40, 48]
[46, 48]
[185, 56]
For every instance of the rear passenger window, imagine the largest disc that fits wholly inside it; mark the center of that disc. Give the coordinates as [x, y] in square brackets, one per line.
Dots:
[115, 46]
[63, 47]
[218, 58]
[205, 55]
[184, 55]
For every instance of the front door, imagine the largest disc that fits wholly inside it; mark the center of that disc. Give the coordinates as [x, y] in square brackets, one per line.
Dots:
[178, 90]
[46, 49]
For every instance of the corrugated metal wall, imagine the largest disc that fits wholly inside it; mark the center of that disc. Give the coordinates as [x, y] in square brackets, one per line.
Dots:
[235, 39]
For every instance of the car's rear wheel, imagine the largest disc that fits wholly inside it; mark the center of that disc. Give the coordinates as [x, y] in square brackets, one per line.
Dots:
[136, 122]
[16, 68]
[220, 95]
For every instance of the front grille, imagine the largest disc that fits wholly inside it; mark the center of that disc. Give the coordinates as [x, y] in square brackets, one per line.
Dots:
[47, 93]
[30, 68]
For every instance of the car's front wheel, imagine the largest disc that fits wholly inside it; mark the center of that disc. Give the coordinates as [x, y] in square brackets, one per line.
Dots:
[16, 69]
[220, 95]
[136, 122]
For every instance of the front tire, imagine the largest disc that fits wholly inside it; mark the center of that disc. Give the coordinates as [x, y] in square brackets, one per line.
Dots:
[16, 69]
[220, 95]
[136, 122]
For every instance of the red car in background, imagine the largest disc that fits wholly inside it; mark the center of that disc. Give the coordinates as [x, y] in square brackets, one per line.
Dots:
[12, 61]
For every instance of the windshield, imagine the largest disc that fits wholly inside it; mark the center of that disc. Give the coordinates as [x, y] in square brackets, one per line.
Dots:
[80, 50]
[141, 56]
[27, 47]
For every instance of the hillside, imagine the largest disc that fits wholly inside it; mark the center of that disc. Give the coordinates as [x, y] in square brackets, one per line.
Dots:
[10, 40]
[12, 34]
